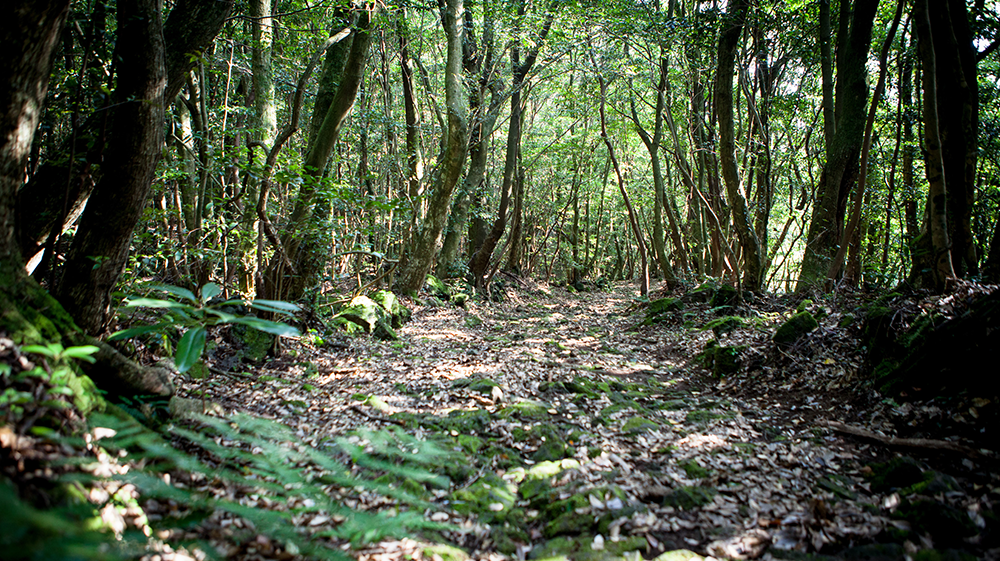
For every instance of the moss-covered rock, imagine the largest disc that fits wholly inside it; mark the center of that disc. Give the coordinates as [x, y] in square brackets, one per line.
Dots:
[725, 324]
[526, 409]
[444, 552]
[687, 498]
[795, 327]
[460, 299]
[398, 313]
[897, 473]
[694, 470]
[581, 548]
[659, 310]
[363, 311]
[436, 288]
[722, 360]
[489, 497]
[254, 344]
[945, 523]
[725, 297]
[638, 424]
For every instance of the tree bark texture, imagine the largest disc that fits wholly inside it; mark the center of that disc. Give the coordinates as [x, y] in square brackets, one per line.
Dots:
[28, 314]
[59, 189]
[480, 262]
[940, 268]
[262, 30]
[728, 41]
[839, 172]
[426, 242]
[101, 244]
[298, 243]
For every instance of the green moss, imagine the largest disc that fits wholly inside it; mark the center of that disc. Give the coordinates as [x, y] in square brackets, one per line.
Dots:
[254, 344]
[444, 552]
[469, 443]
[490, 497]
[436, 288]
[526, 409]
[794, 328]
[687, 498]
[897, 473]
[694, 470]
[637, 424]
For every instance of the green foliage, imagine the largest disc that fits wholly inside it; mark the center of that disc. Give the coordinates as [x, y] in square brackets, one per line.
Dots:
[266, 459]
[56, 352]
[195, 314]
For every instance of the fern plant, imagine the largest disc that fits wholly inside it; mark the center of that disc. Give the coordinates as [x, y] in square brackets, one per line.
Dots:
[266, 459]
[194, 314]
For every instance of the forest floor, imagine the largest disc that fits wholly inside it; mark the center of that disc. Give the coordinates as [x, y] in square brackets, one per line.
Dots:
[580, 431]
[551, 425]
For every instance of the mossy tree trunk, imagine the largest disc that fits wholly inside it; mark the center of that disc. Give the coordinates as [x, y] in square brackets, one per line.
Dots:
[843, 144]
[301, 240]
[55, 196]
[28, 314]
[425, 243]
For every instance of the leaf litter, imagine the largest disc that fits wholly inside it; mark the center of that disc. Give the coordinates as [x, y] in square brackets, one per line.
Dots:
[582, 432]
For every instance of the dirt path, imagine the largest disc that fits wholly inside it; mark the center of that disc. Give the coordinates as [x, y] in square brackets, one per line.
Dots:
[582, 433]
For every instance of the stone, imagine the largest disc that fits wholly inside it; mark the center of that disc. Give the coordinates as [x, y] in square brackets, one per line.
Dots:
[436, 288]
[795, 327]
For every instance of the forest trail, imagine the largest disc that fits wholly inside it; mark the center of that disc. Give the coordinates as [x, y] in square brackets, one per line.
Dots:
[582, 432]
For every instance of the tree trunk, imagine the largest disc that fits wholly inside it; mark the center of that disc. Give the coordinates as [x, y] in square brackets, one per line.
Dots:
[426, 241]
[29, 315]
[298, 244]
[827, 224]
[59, 189]
[936, 215]
[101, 244]
[480, 262]
[262, 29]
[728, 40]
[652, 144]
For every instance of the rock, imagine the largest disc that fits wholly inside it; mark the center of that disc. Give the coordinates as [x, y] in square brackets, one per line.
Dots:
[687, 498]
[526, 409]
[637, 424]
[722, 360]
[460, 299]
[725, 297]
[945, 523]
[384, 332]
[254, 344]
[436, 288]
[389, 302]
[490, 497]
[658, 309]
[795, 327]
[363, 311]
[551, 450]
[444, 552]
[897, 473]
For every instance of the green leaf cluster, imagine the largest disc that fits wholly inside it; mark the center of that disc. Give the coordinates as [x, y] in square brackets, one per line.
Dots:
[195, 314]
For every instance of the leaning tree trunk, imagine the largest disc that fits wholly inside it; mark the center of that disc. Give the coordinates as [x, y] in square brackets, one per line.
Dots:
[844, 145]
[102, 241]
[426, 241]
[56, 194]
[282, 282]
[28, 314]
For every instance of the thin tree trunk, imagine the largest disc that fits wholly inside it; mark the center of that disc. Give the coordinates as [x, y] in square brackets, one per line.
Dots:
[728, 40]
[426, 243]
